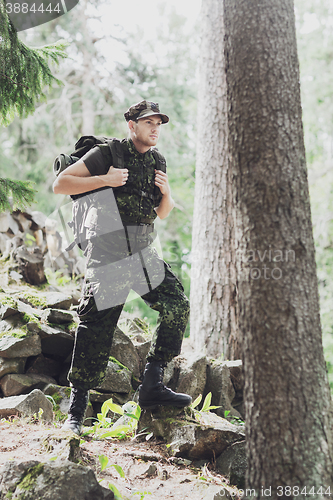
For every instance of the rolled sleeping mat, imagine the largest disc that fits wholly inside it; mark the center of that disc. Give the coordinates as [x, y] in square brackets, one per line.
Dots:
[62, 162]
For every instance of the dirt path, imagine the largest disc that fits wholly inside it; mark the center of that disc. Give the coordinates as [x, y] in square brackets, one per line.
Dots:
[150, 474]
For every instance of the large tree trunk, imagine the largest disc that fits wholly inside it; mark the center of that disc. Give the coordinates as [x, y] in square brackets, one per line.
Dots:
[287, 397]
[213, 274]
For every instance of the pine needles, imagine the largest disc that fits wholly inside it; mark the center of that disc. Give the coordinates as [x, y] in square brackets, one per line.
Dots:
[24, 71]
[22, 194]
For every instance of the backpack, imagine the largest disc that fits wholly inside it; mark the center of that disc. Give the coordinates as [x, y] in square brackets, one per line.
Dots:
[82, 202]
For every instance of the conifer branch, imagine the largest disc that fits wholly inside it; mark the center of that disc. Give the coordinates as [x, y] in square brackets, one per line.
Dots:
[25, 71]
[22, 193]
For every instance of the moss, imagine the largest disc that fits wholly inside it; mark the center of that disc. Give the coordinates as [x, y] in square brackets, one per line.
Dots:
[30, 477]
[57, 398]
[30, 318]
[34, 300]
[8, 301]
[72, 325]
[68, 391]
[114, 360]
[18, 334]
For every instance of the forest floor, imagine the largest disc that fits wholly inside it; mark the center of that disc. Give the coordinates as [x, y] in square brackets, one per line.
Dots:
[150, 473]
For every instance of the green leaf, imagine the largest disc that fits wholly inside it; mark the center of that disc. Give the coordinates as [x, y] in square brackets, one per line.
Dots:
[115, 408]
[103, 460]
[197, 401]
[207, 402]
[226, 413]
[119, 431]
[119, 470]
[117, 495]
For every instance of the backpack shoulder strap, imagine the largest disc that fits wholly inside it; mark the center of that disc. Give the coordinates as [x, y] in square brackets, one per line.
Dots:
[160, 160]
[117, 153]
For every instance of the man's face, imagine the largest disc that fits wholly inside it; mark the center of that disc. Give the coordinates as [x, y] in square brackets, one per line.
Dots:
[146, 131]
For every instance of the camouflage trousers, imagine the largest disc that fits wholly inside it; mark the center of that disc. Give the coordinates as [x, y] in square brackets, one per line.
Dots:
[107, 285]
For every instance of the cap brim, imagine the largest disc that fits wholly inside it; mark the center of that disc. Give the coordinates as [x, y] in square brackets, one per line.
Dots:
[144, 114]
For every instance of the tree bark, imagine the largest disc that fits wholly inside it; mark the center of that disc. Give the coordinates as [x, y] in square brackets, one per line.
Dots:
[213, 274]
[287, 397]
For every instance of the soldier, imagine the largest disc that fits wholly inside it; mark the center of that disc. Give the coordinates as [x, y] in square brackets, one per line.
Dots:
[120, 257]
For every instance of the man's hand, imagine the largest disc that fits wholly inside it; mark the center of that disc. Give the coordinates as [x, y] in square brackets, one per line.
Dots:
[115, 177]
[161, 180]
[167, 203]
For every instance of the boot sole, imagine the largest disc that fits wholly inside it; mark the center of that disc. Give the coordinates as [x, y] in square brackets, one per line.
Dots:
[154, 406]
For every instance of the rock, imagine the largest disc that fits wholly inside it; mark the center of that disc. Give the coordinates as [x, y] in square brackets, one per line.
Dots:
[23, 223]
[13, 384]
[57, 316]
[193, 440]
[62, 379]
[232, 463]
[64, 445]
[57, 300]
[4, 241]
[11, 365]
[220, 385]
[31, 264]
[54, 341]
[61, 398]
[14, 347]
[8, 306]
[59, 480]
[43, 365]
[27, 405]
[117, 379]
[13, 322]
[6, 311]
[7, 222]
[142, 349]
[237, 379]
[124, 351]
[192, 377]
[38, 220]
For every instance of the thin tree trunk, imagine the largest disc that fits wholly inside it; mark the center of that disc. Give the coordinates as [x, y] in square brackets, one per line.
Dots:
[213, 275]
[287, 397]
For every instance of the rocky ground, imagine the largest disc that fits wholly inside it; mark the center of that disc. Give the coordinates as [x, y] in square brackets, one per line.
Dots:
[149, 472]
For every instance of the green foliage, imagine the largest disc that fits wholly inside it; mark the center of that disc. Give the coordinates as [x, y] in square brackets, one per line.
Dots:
[234, 419]
[104, 461]
[206, 407]
[24, 71]
[117, 495]
[22, 194]
[124, 427]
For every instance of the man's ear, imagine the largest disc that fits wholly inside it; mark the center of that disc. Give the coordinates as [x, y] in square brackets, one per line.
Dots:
[130, 124]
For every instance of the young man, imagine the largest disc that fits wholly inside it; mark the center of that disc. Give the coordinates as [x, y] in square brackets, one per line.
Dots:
[120, 258]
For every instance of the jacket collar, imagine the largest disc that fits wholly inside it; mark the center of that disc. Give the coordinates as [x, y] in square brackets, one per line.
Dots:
[134, 151]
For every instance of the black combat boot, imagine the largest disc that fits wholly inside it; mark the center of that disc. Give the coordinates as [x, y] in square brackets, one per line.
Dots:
[153, 392]
[77, 408]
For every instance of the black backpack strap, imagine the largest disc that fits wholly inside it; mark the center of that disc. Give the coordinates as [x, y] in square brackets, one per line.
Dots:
[159, 159]
[160, 165]
[117, 153]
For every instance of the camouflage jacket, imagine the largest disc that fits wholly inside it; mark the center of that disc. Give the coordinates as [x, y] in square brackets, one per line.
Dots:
[137, 199]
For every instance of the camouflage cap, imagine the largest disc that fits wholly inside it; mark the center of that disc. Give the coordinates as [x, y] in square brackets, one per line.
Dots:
[143, 109]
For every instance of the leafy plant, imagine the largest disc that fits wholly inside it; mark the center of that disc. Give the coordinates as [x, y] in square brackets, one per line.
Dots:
[104, 461]
[124, 427]
[206, 407]
[234, 419]
[116, 492]
[142, 493]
